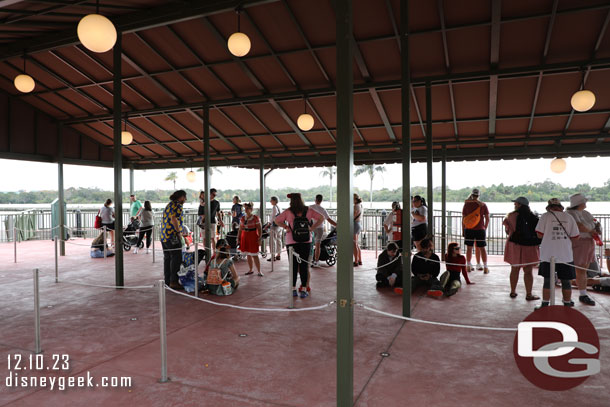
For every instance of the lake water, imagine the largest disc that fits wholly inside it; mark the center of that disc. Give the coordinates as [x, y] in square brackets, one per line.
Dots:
[494, 207]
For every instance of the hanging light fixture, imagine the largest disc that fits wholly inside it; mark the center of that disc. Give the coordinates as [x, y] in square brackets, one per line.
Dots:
[305, 121]
[126, 137]
[558, 165]
[96, 32]
[582, 100]
[191, 176]
[24, 82]
[239, 43]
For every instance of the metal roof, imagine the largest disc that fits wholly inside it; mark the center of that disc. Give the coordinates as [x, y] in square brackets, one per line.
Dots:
[501, 74]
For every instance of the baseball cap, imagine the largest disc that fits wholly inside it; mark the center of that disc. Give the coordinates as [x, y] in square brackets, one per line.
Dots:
[476, 192]
[522, 200]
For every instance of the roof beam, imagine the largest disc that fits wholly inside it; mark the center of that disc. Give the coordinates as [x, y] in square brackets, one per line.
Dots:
[263, 125]
[441, 11]
[288, 120]
[496, 17]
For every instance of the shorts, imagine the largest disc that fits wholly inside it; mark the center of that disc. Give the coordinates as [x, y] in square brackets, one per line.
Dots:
[357, 228]
[470, 235]
[419, 232]
[584, 251]
[564, 271]
[109, 226]
[318, 234]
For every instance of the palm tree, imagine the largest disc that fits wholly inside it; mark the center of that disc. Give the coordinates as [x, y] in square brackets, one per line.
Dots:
[371, 170]
[329, 172]
[172, 176]
[212, 171]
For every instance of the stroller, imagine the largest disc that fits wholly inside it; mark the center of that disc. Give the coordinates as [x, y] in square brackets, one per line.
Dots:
[232, 241]
[130, 235]
[328, 248]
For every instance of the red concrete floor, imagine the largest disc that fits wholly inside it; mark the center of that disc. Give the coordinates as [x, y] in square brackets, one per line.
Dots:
[287, 359]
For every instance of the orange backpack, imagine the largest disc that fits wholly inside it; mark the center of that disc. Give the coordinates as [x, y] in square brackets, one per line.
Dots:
[471, 220]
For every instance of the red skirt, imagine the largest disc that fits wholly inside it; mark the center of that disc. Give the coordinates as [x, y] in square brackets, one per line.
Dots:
[248, 243]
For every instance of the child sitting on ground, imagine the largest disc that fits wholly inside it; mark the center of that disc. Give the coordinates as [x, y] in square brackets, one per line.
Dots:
[221, 277]
[456, 264]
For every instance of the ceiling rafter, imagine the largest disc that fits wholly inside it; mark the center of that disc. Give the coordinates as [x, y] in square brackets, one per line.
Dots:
[496, 17]
[441, 12]
[105, 136]
[263, 125]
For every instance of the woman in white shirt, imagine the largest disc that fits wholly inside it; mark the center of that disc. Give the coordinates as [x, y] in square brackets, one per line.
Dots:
[107, 215]
[357, 229]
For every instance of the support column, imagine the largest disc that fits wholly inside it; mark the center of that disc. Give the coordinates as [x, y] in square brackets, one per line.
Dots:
[444, 202]
[206, 182]
[345, 209]
[405, 94]
[131, 181]
[118, 162]
[261, 194]
[60, 189]
[429, 159]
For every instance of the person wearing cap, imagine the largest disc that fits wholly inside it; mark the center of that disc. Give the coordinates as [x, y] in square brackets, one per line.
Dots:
[286, 220]
[475, 219]
[558, 231]
[521, 251]
[419, 221]
[318, 233]
[583, 248]
[393, 224]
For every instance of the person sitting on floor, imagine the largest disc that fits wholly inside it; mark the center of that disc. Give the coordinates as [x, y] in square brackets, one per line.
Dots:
[425, 268]
[97, 248]
[389, 271]
[456, 264]
[220, 276]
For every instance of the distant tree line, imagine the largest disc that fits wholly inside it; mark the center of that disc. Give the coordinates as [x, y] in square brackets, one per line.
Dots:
[536, 192]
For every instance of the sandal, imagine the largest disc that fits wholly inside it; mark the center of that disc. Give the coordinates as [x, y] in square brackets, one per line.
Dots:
[513, 295]
[531, 297]
[249, 272]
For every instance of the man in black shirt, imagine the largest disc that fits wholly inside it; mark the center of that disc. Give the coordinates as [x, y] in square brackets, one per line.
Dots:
[214, 214]
[426, 267]
[389, 271]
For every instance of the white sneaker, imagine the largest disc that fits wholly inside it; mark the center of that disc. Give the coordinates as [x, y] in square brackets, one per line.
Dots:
[135, 251]
[479, 267]
[469, 267]
[147, 251]
[314, 264]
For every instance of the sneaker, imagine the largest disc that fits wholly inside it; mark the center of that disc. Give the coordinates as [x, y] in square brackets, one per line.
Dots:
[469, 267]
[568, 303]
[586, 300]
[485, 270]
[451, 291]
[435, 293]
[479, 267]
[314, 264]
[304, 294]
[135, 251]
[294, 293]
[260, 274]
[147, 251]
[542, 305]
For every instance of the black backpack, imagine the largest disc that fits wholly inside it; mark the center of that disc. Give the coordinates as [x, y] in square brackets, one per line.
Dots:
[525, 234]
[300, 228]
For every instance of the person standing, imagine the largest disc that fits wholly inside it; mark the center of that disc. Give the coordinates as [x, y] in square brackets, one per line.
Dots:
[521, 249]
[136, 207]
[357, 229]
[236, 212]
[475, 219]
[419, 223]
[296, 221]
[393, 224]
[275, 231]
[146, 228]
[250, 232]
[170, 233]
[107, 215]
[318, 232]
[558, 231]
[583, 248]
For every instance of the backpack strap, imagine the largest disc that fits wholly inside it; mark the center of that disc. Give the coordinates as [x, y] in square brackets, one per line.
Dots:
[560, 224]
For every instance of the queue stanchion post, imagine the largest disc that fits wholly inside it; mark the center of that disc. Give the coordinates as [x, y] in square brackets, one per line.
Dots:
[55, 241]
[376, 236]
[15, 242]
[105, 242]
[36, 314]
[163, 331]
[552, 278]
[290, 278]
[153, 243]
[272, 244]
[196, 269]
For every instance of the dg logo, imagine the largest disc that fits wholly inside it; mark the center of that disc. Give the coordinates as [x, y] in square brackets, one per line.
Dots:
[557, 348]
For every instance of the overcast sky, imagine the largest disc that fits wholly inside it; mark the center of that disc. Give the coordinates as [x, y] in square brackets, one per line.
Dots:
[24, 175]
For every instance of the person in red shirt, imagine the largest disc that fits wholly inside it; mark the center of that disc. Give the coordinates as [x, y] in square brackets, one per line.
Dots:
[250, 233]
[456, 264]
[475, 219]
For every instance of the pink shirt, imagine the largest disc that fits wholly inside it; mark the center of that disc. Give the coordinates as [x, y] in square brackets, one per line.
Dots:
[288, 217]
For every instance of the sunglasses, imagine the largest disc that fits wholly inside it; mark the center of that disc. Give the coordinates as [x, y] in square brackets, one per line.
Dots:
[456, 248]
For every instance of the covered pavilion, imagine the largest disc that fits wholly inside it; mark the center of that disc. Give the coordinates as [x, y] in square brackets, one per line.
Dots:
[386, 81]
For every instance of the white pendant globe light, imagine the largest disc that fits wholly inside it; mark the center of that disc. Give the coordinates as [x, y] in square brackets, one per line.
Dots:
[24, 83]
[305, 121]
[191, 176]
[558, 165]
[96, 32]
[126, 138]
[239, 43]
[583, 100]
